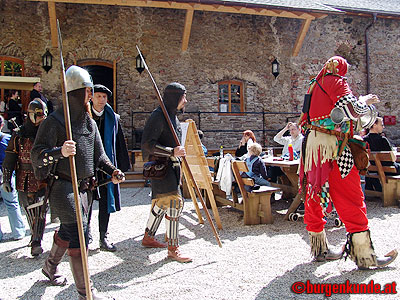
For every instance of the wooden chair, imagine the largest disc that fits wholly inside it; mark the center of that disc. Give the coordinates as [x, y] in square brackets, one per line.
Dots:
[390, 194]
[256, 204]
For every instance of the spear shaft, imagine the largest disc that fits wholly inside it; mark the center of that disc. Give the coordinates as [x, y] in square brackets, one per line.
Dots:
[185, 163]
[74, 178]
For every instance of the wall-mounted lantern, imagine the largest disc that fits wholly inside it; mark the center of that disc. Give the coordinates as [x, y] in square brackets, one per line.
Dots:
[139, 64]
[275, 68]
[47, 61]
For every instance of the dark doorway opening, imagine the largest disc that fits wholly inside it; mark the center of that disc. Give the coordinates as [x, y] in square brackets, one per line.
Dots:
[102, 72]
[102, 75]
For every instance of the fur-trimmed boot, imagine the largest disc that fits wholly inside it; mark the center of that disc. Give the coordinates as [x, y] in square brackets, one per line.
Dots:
[76, 265]
[319, 247]
[150, 242]
[360, 249]
[57, 252]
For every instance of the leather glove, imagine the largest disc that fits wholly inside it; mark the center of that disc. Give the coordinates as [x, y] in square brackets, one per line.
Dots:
[7, 187]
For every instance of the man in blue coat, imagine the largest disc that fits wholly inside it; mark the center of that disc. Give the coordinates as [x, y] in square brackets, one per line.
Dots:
[115, 147]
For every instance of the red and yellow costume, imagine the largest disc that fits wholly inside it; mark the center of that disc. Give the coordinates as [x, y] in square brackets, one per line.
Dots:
[328, 166]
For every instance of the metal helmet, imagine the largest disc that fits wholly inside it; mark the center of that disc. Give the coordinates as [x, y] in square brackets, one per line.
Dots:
[347, 113]
[77, 78]
[37, 110]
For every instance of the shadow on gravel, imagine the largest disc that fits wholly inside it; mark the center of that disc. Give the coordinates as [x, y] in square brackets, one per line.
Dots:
[8, 259]
[136, 264]
[283, 287]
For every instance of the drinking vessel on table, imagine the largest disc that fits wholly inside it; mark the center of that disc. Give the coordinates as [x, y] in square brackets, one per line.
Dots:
[270, 152]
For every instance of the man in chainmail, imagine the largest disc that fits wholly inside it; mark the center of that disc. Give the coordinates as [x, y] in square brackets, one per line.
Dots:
[30, 190]
[51, 148]
[158, 144]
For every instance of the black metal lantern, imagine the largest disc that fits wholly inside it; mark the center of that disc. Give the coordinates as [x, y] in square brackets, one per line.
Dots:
[275, 68]
[47, 61]
[139, 64]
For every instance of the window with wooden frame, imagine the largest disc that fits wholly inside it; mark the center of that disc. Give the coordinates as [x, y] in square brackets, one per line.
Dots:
[10, 66]
[230, 97]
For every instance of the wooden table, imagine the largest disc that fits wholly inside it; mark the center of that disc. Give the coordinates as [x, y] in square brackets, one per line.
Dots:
[289, 168]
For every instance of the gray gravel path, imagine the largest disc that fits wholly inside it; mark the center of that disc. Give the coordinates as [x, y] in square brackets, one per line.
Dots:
[255, 262]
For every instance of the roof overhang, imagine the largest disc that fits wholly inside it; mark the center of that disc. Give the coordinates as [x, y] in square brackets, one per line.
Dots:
[18, 83]
[227, 6]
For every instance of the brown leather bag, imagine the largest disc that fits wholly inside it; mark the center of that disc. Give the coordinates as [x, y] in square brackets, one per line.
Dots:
[155, 169]
[360, 155]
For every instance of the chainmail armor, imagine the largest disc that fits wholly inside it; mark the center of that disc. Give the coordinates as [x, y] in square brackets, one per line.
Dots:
[89, 155]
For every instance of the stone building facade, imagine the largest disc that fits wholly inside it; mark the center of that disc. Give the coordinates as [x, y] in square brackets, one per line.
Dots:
[222, 46]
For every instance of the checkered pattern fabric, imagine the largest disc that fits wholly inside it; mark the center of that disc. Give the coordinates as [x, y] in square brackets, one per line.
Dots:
[325, 197]
[359, 107]
[345, 162]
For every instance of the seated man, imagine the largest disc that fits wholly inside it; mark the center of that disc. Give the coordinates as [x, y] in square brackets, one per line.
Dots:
[295, 138]
[377, 142]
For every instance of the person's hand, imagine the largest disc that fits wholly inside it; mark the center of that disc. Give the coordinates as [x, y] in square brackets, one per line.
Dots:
[179, 151]
[117, 176]
[68, 148]
[7, 187]
[288, 125]
[370, 99]
[242, 141]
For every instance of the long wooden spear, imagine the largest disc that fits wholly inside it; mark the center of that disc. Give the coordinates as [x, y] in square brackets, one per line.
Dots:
[74, 178]
[178, 143]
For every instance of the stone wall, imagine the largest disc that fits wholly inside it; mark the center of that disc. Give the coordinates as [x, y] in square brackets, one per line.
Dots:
[222, 46]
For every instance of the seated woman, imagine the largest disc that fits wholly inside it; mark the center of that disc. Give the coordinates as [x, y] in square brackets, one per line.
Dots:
[248, 138]
[256, 166]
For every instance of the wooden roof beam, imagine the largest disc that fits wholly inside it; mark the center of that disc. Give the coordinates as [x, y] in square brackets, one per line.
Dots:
[197, 6]
[187, 29]
[53, 23]
[301, 36]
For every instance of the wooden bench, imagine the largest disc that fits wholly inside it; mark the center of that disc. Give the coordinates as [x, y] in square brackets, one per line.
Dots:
[256, 205]
[390, 193]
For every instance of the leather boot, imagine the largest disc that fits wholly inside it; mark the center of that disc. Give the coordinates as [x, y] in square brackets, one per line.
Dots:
[105, 244]
[76, 265]
[382, 262]
[36, 248]
[319, 245]
[361, 251]
[174, 254]
[150, 242]
[330, 255]
[50, 265]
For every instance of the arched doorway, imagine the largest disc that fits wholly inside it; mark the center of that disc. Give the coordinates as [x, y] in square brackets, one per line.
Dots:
[104, 73]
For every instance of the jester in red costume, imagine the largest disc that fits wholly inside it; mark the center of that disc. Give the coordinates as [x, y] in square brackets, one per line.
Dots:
[327, 168]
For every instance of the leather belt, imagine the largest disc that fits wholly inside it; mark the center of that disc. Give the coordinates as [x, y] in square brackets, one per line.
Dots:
[327, 131]
[344, 136]
[84, 184]
[23, 166]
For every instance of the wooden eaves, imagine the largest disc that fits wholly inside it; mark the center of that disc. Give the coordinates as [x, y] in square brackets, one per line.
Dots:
[190, 7]
[18, 83]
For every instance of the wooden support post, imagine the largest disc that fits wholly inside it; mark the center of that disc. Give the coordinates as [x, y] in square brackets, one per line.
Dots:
[53, 23]
[187, 29]
[302, 35]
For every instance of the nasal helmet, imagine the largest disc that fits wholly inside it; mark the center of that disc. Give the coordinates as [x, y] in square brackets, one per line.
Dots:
[77, 78]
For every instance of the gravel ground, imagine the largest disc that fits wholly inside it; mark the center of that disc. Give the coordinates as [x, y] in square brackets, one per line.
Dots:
[255, 262]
